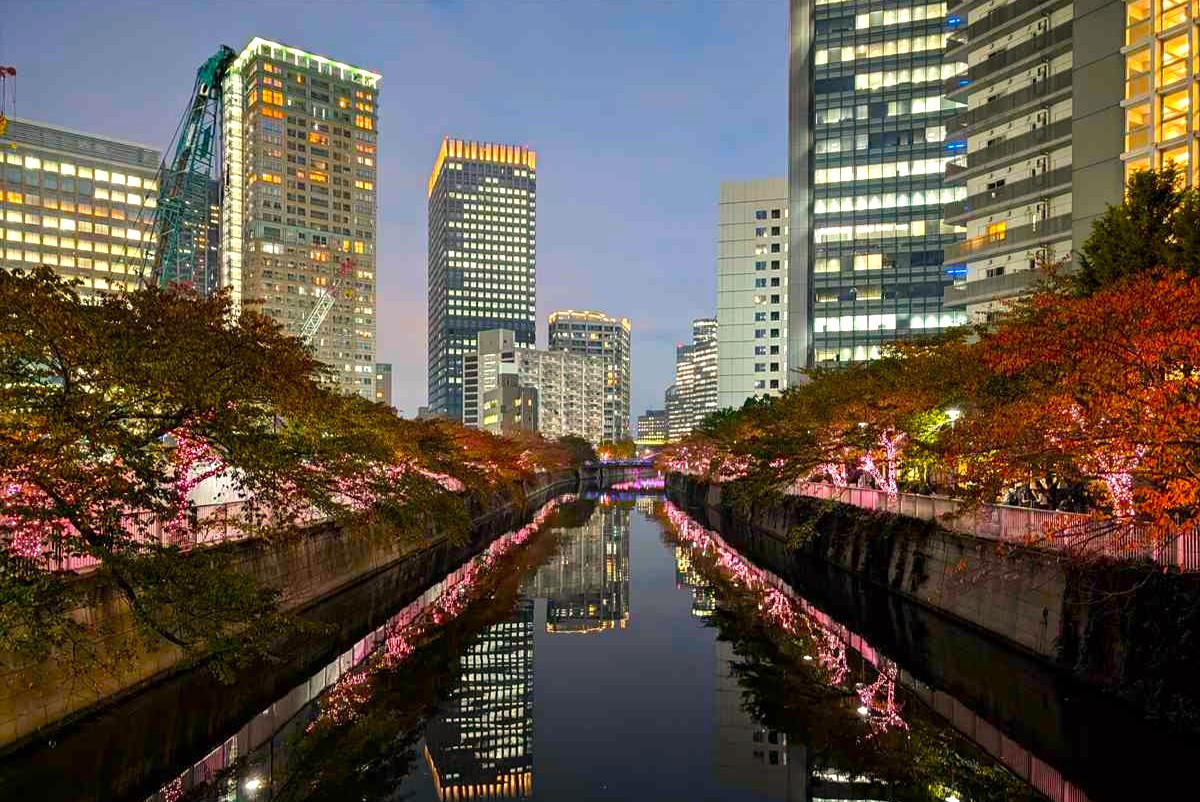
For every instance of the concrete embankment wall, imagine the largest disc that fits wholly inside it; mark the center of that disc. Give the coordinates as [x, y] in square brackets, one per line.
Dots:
[315, 570]
[1125, 629]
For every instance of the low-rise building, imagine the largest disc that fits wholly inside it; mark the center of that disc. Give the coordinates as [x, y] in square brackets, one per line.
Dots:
[653, 428]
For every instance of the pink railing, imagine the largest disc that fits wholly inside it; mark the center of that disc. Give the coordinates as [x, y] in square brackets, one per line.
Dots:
[1068, 532]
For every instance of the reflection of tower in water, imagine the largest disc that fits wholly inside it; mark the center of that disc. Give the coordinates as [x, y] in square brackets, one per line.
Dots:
[586, 583]
[480, 744]
[704, 600]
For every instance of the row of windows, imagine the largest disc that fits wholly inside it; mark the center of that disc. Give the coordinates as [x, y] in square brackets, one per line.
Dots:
[889, 200]
[884, 109]
[889, 47]
[875, 172]
[933, 135]
[66, 168]
[886, 322]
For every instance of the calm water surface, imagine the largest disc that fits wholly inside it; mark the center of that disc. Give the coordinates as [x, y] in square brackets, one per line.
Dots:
[620, 651]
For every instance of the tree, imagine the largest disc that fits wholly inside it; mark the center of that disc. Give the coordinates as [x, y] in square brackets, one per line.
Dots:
[578, 450]
[1156, 228]
[111, 414]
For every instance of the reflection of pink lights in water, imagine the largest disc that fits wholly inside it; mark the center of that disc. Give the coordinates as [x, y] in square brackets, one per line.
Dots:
[406, 628]
[657, 483]
[795, 616]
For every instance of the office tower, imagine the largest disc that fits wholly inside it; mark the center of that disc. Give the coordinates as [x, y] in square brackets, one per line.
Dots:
[493, 397]
[600, 335]
[752, 269]
[80, 203]
[695, 396]
[555, 392]
[299, 152]
[383, 383]
[1039, 71]
[481, 264]
[586, 582]
[208, 243]
[867, 118]
[480, 743]
[653, 428]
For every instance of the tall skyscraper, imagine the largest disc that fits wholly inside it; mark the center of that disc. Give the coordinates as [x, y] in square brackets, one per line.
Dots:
[752, 293]
[482, 257]
[1038, 72]
[300, 146]
[867, 119]
[598, 334]
[81, 203]
[696, 381]
[480, 743]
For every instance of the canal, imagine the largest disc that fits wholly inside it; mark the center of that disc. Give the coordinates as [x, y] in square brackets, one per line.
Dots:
[615, 649]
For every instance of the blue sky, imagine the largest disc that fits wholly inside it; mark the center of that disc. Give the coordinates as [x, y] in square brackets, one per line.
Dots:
[637, 110]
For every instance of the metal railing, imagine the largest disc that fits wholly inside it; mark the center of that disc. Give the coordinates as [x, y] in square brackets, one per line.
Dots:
[992, 113]
[1071, 533]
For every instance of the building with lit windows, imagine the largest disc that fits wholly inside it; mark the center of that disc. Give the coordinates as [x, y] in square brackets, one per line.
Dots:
[695, 388]
[79, 203]
[752, 269]
[867, 120]
[598, 334]
[299, 157]
[507, 388]
[482, 257]
[653, 428]
[479, 745]
[1038, 70]
[1161, 86]
[383, 383]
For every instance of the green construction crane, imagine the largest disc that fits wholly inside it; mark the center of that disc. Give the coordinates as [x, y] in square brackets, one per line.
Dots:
[182, 213]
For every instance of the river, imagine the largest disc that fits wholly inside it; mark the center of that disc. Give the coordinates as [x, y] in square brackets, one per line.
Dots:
[616, 649]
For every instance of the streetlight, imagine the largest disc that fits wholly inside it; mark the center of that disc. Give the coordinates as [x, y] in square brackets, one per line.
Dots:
[954, 413]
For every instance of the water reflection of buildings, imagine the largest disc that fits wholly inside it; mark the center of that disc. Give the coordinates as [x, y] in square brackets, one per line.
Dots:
[480, 744]
[704, 600]
[586, 584]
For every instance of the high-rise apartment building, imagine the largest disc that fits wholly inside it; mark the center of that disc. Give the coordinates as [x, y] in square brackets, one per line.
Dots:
[1038, 71]
[506, 388]
[300, 144]
[653, 428]
[695, 396]
[752, 294]
[482, 257]
[598, 334]
[79, 203]
[867, 119]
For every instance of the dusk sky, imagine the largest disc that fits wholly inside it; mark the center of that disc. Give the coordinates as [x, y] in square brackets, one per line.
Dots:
[637, 111]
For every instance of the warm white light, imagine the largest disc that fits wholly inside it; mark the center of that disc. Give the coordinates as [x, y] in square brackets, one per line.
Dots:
[808, 657]
[952, 798]
[862, 711]
[253, 784]
[953, 414]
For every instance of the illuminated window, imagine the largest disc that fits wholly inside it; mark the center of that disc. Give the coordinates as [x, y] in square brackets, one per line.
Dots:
[1173, 109]
[1138, 127]
[1175, 53]
[868, 261]
[997, 231]
[1137, 21]
[364, 121]
[1137, 73]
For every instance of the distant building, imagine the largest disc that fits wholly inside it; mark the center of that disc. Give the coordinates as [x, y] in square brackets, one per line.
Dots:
[695, 385]
[653, 428]
[555, 392]
[479, 745]
[299, 154]
[752, 290]
[597, 334]
[80, 203]
[481, 264]
[383, 383]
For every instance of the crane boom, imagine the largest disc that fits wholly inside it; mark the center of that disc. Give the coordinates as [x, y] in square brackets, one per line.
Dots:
[181, 214]
[316, 317]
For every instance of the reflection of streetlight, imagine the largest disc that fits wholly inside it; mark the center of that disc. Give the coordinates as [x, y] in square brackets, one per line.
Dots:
[862, 711]
[953, 414]
[253, 784]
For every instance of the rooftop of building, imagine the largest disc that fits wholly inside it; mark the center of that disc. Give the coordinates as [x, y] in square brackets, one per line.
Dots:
[369, 78]
[589, 315]
[491, 152]
[34, 133]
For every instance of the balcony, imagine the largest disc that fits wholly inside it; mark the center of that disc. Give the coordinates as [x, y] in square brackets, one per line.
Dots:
[1005, 14]
[1046, 45]
[1030, 141]
[994, 288]
[1014, 239]
[995, 111]
[956, 213]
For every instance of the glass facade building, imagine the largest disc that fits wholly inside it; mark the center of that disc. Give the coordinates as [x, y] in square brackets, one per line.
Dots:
[870, 141]
[300, 142]
[481, 262]
[79, 203]
[597, 334]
